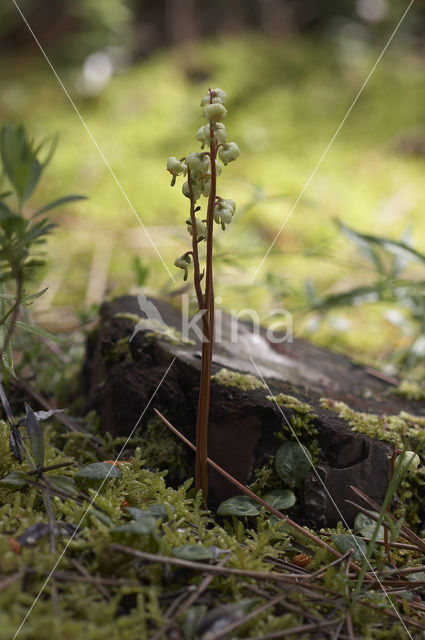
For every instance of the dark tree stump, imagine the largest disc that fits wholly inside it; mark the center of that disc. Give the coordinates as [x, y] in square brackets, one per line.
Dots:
[120, 378]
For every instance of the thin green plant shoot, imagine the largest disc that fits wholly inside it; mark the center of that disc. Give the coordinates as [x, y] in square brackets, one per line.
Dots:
[202, 169]
[22, 233]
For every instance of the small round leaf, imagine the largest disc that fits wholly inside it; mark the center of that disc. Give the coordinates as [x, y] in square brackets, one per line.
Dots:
[239, 506]
[292, 463]
[346, 541]
[280, 499]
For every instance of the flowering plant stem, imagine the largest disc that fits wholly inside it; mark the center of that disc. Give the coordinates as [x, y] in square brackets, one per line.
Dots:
[207, 305]
[202, 169]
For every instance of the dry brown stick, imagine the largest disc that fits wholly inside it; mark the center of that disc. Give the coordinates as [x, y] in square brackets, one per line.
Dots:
[398, 545]
[70, 424]
[392, 614]
[7, 582]
[69, 576]
[420, 567]
[249, 616]
[188, 602]
[51, 467]
[291, 523]
[207, 568]
[304, 628]
[87, 574]
[405, 531]
[348, 617]
[319, 572]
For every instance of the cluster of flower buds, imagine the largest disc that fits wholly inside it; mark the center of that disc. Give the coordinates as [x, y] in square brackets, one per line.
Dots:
[197, 167]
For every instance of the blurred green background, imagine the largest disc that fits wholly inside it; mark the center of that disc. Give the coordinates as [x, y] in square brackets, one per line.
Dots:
[136, 71]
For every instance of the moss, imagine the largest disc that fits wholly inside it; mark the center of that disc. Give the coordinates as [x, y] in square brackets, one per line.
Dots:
[242, 381]
[161, 450]
[301, 421]
[402, 431]
[410, 390]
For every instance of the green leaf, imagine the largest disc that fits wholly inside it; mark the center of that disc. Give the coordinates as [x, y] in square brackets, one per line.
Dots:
[365, 526]
[59, 202]
[193, 552]
[141, 527]
[154, 511]
[399, 249]
[63, 483]
[93, 475]
[100, 515]
[15, 480]
[53, 144]
[346, 541]
[7, 356]
[35, 436]
[32, 296]
[19, 161]
[239, 506]
[292, 463]
[280, 499]
[193, 620]
[353, 297]
[395, 528]
[363, 246]
[31, 328]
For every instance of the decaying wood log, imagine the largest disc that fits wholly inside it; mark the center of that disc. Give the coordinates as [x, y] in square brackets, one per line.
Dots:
[120, 377]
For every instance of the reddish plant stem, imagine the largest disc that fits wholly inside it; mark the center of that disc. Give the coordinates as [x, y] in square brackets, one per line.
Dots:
[201, 464]
[386, 539]
[195, 254]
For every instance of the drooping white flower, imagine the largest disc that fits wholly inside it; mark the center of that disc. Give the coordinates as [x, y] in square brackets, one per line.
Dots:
[199, 164]
[201, 230]
[183, 263]
[176, 167]
[228, 152]
[196, 189]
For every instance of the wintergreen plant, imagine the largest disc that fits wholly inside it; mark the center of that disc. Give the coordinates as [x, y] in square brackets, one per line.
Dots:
[21, 236]
[201, 170]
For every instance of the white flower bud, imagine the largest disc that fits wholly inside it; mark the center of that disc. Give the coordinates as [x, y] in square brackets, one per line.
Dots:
[205, 187]
[217, 96]
[215, 112]
[175, 167]
[228, 152]
[229, 204]
[407, 462]
[196, 190]
[183, 263]
[218, 168]
[220, 133]
[199, 164]
[203, 134]
[201, 230]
